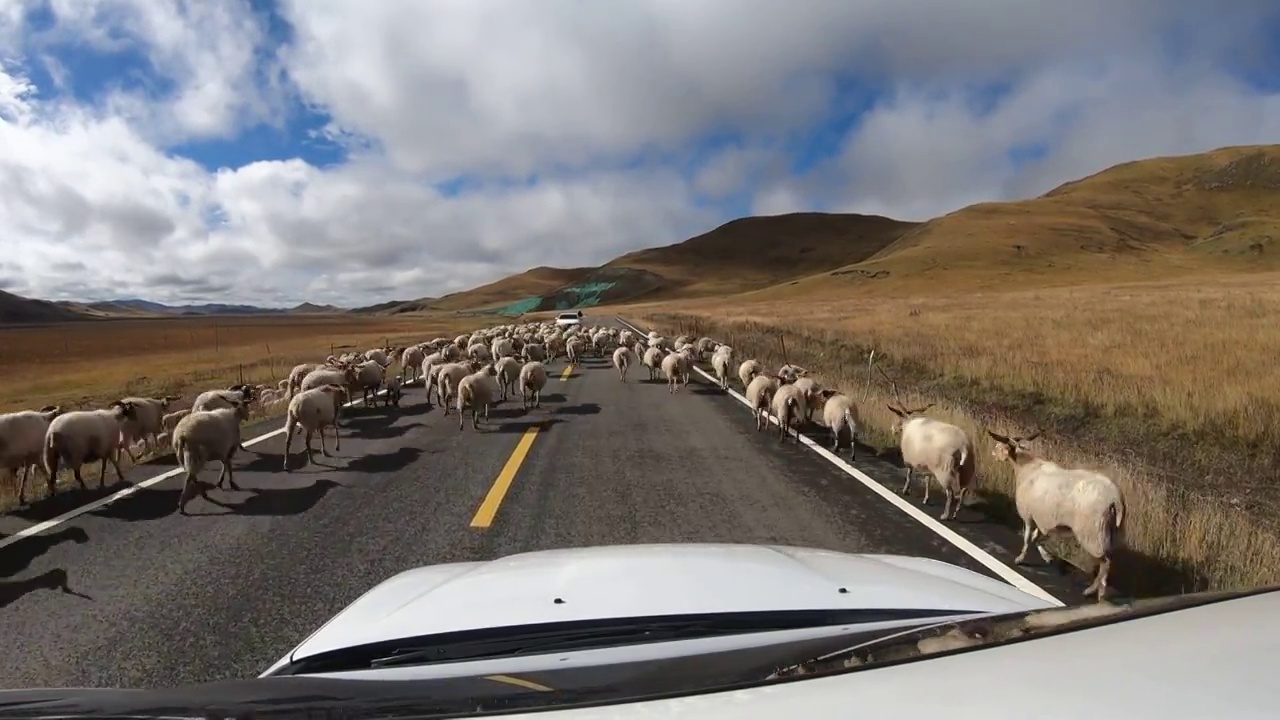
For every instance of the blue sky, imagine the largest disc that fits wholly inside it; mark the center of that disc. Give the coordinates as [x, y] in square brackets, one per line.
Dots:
[351, 153]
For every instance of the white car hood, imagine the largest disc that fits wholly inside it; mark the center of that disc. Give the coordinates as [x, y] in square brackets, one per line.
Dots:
[639, 580]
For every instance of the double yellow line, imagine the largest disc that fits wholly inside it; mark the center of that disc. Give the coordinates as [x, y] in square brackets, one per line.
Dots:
[488, 509]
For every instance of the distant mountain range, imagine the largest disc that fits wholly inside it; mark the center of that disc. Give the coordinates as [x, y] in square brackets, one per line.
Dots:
[17, 309]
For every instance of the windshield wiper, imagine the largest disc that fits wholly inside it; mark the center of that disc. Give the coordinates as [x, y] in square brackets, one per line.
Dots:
[487, 643]
[560, 640]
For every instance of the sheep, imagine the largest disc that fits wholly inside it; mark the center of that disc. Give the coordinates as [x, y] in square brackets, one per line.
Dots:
[447, 380]
[294, 382]
[85, 436]
[313, 410]
[676, 367]
[204, 436]
[508, 372]
[411, 362]
[145, 425]
[475, 391]
[533, 377]
[789, 404]
[760, 393]
[1055, 500]
[22, 442]
[748, 370]
[839, 412]
[943, 449]
[478, 351]
[812, 394]
[790, 373]
[369, 375]
[573, 348]
[534, 351]
[393, 390]
[653, 361]
[720, 363]
[345, 376]
[622, 359]
[214, 399]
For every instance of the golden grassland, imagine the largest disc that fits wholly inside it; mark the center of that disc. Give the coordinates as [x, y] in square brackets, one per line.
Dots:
[1170, 386]
[89, 364]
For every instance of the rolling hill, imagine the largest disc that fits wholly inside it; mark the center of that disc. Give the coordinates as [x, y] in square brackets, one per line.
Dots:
[1209, 212]
[740, 255]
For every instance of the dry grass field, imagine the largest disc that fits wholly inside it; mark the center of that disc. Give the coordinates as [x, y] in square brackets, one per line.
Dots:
[1130, 315]
[1170, 386]
[89, 364]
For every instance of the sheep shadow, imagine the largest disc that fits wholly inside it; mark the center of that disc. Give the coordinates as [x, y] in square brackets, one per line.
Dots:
[18, 556]
[553, 397]
[525, 425]
[146, 504]
[579, 409]
[398, 459]
[56, 579]
[65, 500]
[273, 502]
[705, 389]
[380, 429]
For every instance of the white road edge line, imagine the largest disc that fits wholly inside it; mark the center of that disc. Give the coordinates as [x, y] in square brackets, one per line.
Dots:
[988, 560]
[122, 494]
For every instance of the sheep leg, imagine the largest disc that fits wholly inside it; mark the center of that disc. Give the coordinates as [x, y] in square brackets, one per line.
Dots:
[324, 445]
[337, 440]
[461, 421]
[537, 399]
[1099, 584]
[310, 450]
[835, 437]
[1028, 529]
[949, 496]
[228, 473]
[475, 416]
[906, 487]
[928, 482]
[190, 488]
[288, 440]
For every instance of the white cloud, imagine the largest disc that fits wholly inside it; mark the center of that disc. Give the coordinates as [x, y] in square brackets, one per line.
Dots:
[572, 93]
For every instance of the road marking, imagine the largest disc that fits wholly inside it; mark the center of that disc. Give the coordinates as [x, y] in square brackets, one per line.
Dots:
[988, 560]
[568, 370]
[489, 508]
[520, 682]
[122, 494]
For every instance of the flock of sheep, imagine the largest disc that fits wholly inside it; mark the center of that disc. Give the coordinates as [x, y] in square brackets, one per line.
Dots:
[474, 371]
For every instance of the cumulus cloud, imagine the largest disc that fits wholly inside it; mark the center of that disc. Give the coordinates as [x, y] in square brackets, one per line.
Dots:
[478, 139]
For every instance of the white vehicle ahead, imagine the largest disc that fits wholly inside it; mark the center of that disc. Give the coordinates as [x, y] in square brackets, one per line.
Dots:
[566, 319]
[686, 631]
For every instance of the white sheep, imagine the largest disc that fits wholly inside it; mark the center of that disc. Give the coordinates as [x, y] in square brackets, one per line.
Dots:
[676, 369]
[652, 360]
[839, 412]
[533, 377]
[1055, 500]
[314, 410]
[477, 391]
[760, 393]
[508, 373]
[942, 449]
[720, 363]
[748, 370]
[85, 436]
[392, 390]
[789, 373]
[534, 351]
[812, 395]
[294, 382]
[623, 358]
[573, 349]
[789, 404]
[448, 377]
[145, 424]
[204, 436]
[411, 362]
[369, 375]
[22, 442]
[215, 399]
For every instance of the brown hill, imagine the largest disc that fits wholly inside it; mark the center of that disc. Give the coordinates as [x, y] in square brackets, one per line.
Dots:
[16, 309]
[755, 252]
[1216, 212]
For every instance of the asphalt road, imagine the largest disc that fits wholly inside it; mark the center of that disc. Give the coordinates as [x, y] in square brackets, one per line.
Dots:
[158, 599]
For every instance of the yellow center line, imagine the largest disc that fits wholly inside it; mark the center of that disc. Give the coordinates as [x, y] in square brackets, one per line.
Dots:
[564, 376]
[489, 508]
[521, 682]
